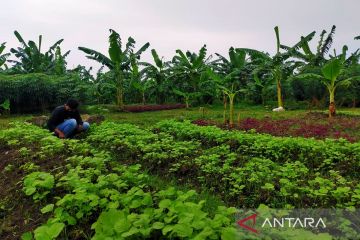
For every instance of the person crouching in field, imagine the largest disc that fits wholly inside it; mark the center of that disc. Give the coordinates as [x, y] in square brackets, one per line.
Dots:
[65, 120]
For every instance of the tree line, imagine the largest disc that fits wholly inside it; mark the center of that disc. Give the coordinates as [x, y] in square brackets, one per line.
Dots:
[296, 72]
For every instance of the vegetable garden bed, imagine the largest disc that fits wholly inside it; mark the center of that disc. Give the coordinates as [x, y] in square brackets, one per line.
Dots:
[98, 188]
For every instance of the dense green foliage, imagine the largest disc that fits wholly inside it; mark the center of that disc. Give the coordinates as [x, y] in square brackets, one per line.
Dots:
[40, 92]
[100, 192]
[197, 78]
[113, 200]
[289, 172]
[32, 60]
[119, 61]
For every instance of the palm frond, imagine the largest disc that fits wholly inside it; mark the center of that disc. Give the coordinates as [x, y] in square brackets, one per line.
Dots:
[284, 47]
[328, 41]
[237, 57]
[200, 58]
[308, 75]
[320, 43]
[255, 53]
[305, 44]
[142, 49]
[129, 46]
[20, 39]
[55, 45]
[66, 54]
[182, 58]
[221, 58]
[276, 29]
[115, 52]
[156, 58]
[33, 46]
[97, 56]
[304, 40]
[2, 47]
[354, 58]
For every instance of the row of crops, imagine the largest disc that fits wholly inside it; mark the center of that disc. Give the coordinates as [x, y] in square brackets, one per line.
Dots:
[244, 169]
[101, 187]
[105, 199]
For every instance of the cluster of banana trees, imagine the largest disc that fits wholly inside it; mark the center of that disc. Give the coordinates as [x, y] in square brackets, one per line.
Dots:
[119, 62]
[195, 77]
[334, 71]
[30, 58]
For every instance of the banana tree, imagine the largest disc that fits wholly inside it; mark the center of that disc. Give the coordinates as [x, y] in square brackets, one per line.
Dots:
[188, 68]
[311, 58]
[238, 59]
[227, 75]
[119, 61]
[143, 87]
[331, 78]
[227, 85]
[188, 96]
[84, 73]
[32, 60]
[60, 63]
[3, 57]
[158, 72]
[263, 82]
[275, 65]
[138, 81]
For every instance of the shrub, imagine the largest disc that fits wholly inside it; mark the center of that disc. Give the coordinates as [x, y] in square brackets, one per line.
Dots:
[40, 92]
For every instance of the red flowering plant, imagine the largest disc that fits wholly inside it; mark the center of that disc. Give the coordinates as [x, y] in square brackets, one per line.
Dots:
[312, 125]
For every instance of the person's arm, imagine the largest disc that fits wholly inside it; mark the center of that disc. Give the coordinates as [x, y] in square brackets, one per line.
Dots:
[79, 120]
[56, 117]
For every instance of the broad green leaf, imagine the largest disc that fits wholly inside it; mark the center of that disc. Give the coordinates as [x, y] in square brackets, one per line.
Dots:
[115, 52]
[27, 236]
[332, 69]
[204, 234]
[47, 208]
[277, 39]
[157, 60]
[131, 232]
[48, 231]
[55, 229]
[183, 230]
[229, 233]
[158, 225]
[30, 190]
[122, 225]
[167, 229]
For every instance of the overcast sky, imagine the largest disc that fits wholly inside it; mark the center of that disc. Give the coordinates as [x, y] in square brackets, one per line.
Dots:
[177, 24]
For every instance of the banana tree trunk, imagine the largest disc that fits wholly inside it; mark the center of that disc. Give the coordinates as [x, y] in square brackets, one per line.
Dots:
[119, 98]
[263, 96]
[143, 98]
[231, 110]
[225, 102]
[332, 108]
[119, 91]
[187, 102]
[279, 94]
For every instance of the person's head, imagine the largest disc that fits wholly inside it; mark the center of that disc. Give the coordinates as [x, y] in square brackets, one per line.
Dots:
[71, 105]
